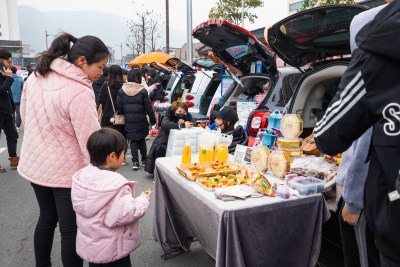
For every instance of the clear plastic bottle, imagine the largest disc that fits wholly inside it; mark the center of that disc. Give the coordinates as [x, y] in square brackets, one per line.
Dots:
[256, 141]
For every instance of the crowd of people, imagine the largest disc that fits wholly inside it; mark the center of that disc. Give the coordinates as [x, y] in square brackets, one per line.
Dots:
[79, 116]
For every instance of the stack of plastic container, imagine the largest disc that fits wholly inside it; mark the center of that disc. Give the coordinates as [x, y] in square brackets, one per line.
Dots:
[274, 121]
[291, 129]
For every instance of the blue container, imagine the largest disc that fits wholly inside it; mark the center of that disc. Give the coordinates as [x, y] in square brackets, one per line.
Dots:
[269, 140]
[274, 120]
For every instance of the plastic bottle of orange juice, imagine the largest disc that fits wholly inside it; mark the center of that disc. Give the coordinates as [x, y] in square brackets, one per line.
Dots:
[187, 153]
[222, 153]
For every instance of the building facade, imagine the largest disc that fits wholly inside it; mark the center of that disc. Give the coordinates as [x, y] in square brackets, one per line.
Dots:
[9, 26]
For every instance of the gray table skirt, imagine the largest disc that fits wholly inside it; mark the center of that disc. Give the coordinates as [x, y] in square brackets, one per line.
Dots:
[253, 232]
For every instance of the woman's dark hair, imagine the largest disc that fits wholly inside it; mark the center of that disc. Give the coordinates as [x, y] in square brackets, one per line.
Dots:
[227, 126]
[153, 73]
[105, 71]
[115, 79]
[102, 143]
[124, 72]
[179, 104]
[135, 76]
[91, 47]
[144, 70]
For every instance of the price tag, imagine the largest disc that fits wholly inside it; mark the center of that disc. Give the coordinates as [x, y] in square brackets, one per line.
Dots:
[239, 155]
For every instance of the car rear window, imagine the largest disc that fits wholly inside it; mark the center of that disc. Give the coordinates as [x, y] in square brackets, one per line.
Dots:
[283, 91]
[321, 26]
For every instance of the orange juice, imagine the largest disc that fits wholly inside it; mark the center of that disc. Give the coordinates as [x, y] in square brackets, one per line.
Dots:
[222, 153]
[187, 154]
[214, 154]
[205, 155]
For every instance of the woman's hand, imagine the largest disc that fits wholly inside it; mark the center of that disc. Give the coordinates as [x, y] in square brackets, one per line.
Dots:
[181, 121]
[148, 192]
[188, 124]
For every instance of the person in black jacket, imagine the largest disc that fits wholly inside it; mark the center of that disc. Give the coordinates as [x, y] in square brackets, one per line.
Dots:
[176, 117]
[158, 93]
[134, 103]
[114, 83]
[369, 95]
[98, 83]
[7, 108]
[225, 120]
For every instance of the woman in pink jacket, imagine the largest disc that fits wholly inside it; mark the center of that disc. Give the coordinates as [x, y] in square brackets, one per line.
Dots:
[107, 213]
[59, 113]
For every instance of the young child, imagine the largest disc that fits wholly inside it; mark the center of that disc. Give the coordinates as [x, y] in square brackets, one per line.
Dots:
[107, 214]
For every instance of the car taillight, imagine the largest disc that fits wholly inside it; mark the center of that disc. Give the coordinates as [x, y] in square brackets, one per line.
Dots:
[165, 94]
[190, 104]
[257, 120]
[189, 97]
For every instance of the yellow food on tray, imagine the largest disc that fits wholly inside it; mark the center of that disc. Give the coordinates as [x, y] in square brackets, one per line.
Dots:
[219, 165]
[221, 180]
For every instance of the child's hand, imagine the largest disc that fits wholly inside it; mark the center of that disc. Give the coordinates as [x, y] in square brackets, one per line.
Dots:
[148, 192]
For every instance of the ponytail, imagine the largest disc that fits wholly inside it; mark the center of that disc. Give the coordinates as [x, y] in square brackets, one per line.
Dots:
[91, 47]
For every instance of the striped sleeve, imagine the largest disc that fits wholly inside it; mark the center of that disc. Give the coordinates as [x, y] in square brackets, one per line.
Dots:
[347, 117]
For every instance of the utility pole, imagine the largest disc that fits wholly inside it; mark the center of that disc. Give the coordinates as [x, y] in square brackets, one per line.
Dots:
[47, 35]
[167, 24]
[189, 33]
[242, 13]
[122, 57]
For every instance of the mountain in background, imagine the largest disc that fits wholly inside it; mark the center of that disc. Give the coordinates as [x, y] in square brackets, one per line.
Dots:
[110, 28]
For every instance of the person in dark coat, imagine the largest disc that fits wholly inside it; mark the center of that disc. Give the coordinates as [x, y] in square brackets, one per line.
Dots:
[134, 103]
[114, 82]
[158, 93]
[225, 120]
[176, 117]
[98, 83]
[7, 108]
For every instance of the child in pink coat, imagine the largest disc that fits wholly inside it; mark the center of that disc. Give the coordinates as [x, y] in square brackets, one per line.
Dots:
[107, 213]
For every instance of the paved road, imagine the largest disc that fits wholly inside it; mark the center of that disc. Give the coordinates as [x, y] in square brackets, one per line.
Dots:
[19, 213]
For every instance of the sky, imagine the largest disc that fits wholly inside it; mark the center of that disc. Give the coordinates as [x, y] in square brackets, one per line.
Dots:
[273, 10]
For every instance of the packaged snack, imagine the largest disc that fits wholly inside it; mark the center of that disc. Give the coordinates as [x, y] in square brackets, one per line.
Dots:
[307, 185]
[291, 126]
[289, 142]
[292, 151]
[279, 163]
[259, 158]
[283, 192]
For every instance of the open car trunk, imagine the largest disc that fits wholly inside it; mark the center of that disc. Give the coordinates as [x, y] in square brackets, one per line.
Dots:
[252, 85]
[314, 93]
[177, 92]
[209, 93]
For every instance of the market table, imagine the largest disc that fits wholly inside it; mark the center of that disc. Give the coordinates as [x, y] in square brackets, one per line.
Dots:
[266, 231]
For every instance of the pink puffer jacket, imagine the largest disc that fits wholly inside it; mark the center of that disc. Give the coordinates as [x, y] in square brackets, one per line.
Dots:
[107, 214]
[59, 114]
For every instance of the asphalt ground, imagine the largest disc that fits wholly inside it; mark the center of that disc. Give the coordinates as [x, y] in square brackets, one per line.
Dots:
[19, 213]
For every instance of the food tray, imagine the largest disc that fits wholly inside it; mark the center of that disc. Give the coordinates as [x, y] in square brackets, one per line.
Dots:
[205, 187]
[184, 169]
[239, 176]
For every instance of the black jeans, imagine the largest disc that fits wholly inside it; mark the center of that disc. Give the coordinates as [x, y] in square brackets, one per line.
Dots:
[7, 124]
[124, 262]
[18, 115]
[350, 247]
[138, 145]
[387, 262]
[55, 207]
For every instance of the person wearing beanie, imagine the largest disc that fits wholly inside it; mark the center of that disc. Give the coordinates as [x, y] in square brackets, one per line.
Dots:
[225, 121]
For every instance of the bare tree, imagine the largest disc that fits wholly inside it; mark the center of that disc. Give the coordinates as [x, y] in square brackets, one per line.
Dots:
[153, 31]
[143, 32]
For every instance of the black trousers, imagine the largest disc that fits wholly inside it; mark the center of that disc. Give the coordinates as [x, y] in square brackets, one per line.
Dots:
[7, 124]
[124, 262]
[55, 207]
[138, 145]
[350, 247]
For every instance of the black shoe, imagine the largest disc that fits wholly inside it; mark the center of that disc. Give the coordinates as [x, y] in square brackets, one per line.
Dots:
[136, 166]
[143, 163]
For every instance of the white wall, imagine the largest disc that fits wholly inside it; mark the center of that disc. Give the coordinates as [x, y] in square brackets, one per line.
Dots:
[9, 20]
[13, 19]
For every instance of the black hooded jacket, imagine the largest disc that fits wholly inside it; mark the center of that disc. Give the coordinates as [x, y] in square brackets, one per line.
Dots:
[369, 95]
[97, 86]
[6, 98]
[158, 93]
[133, 102]
[169, 122]
[239, 137]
